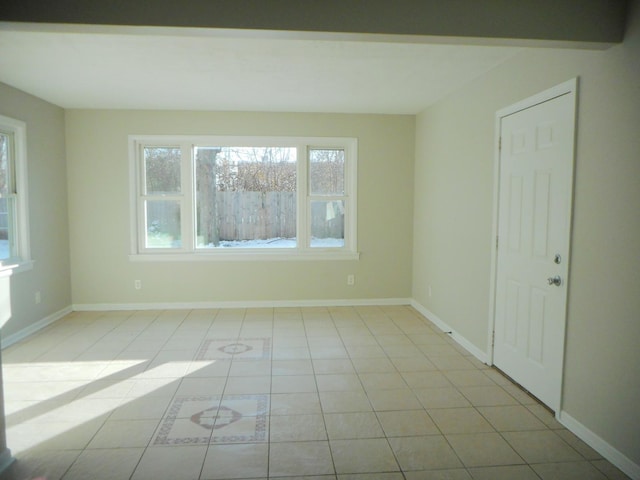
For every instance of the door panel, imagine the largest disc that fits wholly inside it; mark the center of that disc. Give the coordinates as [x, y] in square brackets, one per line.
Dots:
[542, 184]
[536, 175]
[515, 213]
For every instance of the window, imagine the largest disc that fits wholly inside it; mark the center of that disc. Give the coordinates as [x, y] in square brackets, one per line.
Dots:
[14, 224]
[243, 197]
[246, 197]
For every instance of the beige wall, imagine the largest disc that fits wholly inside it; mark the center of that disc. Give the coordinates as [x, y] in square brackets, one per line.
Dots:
[99, 213]
[47, 216]
[453, 217]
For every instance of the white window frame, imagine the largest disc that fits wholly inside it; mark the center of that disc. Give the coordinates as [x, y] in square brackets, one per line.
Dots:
[188, 250]
[20, 224]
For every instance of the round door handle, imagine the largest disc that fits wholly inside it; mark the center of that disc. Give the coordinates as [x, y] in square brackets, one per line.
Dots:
[557, 281]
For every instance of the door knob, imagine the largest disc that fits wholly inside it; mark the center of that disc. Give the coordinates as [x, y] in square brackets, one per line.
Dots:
[557, 281]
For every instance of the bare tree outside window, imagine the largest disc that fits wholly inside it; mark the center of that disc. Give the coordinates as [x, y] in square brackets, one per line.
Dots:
[162, 167]
[245, 194]
[326, 171]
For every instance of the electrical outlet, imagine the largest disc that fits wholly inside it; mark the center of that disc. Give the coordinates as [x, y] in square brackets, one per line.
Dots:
[137, 284]
[38, 297]
[351, 279]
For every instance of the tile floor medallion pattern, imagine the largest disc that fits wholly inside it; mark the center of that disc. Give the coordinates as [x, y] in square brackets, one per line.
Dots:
[323, 393]
[235, 348]
[193, 420]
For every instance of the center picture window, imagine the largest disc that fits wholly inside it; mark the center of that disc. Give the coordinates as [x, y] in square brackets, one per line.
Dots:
[246, 197]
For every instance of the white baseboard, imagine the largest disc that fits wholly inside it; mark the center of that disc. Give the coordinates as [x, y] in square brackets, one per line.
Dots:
[34, 327]
[462, 341]
[106, 307]
[605, 449]
[100, 307]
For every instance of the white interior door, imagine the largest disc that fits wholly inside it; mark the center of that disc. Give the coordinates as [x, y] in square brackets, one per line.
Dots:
[534, 216]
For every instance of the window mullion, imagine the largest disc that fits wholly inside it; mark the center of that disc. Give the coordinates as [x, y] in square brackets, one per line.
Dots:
[303, 205]
[187, 208]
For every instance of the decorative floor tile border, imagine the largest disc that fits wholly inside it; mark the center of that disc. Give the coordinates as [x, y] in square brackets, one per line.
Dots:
[203, 419]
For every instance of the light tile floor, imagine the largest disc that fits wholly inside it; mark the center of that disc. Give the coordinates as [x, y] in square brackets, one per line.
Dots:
[316, 393]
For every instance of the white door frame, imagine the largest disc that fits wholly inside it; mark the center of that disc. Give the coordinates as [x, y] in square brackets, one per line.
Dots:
[569, 87]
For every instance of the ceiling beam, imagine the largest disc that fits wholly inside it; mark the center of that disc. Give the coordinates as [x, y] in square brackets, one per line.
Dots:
[586, 21]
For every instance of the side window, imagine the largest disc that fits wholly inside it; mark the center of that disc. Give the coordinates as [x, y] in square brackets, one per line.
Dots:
[327, 196]
[14, 225]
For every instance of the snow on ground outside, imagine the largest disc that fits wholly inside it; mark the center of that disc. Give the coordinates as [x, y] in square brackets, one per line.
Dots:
[4, 249]
[280, 243]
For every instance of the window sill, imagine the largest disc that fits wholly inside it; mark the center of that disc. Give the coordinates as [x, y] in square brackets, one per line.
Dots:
[251, 256]
[17, 267]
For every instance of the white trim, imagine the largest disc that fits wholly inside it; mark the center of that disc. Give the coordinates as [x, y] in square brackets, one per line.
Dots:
[106, 307]
[493, 274]
[8, 270]
[569, 87]
[442, 325]
[34, 327]
[604, 448]
[101, 307]
[250, 255]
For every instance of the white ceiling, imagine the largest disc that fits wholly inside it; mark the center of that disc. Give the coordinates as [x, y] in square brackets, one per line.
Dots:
[199, 69]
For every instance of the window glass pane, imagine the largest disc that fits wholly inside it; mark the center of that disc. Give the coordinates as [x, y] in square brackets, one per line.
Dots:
[163, 224]
[327, 223]
[162, 169]
[7, 207]
[245, 197]
[326, 171]
[7, 198]
[6, 167]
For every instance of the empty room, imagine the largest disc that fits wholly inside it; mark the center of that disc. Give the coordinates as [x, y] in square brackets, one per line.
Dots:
[337, 240]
